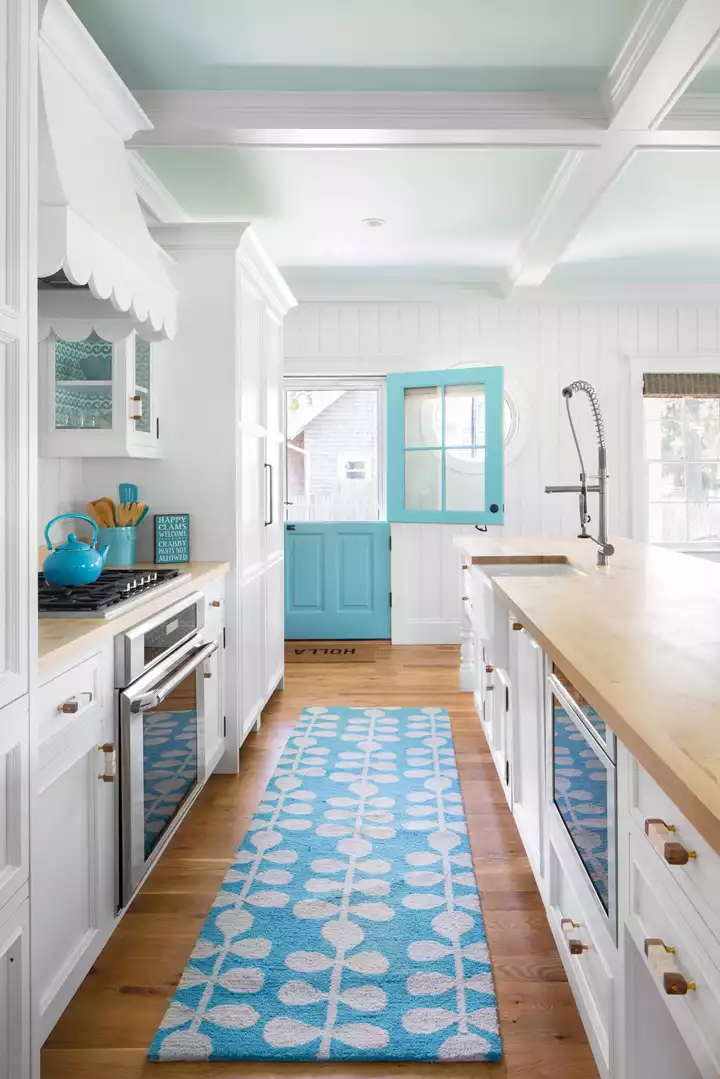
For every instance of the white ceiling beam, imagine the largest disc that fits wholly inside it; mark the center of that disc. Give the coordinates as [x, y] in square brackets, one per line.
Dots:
[578, 185]
[665, 49]
[211, 118]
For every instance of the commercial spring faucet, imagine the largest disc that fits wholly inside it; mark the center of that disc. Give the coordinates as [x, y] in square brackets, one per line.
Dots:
[605, 549]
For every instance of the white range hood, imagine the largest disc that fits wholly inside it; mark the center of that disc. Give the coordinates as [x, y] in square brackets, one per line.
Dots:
[90, 223]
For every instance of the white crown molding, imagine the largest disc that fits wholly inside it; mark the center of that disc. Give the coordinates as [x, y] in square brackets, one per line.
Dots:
[66, 37]
[237, 237]
[152, 192]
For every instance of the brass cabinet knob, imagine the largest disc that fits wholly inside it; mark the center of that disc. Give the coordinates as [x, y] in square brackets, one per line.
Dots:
[215, 603]
[577, 947]
[489, 668]
[517, 626]
[465, 567]
[674, 853]
[207, 675]
[464, 598]
[674, 983]
[568, 923]
[69, 707]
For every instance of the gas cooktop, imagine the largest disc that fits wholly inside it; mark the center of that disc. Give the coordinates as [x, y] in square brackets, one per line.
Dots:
[114, 592]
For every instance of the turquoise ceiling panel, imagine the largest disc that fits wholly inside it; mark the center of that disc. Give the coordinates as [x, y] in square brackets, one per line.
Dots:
[442, 207]
[659, 222]
[365, 45]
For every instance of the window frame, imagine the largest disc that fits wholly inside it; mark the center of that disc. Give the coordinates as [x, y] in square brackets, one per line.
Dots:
[638, 509]
[491, 378]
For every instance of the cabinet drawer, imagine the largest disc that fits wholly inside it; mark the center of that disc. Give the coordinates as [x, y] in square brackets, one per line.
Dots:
[699, 876]
[583, 946]
[654, 917]
[65, 701]
[214, 609]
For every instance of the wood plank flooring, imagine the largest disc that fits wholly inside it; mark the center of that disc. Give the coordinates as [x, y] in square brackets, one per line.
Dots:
[109, 1024]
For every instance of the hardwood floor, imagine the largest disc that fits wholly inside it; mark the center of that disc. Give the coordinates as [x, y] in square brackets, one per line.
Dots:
[109, 1024]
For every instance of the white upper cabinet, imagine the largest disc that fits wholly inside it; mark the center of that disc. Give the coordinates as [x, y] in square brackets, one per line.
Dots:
[98, 398]
[17, 340]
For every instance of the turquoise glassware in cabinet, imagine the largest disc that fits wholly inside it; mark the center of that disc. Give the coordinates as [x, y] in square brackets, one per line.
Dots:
[98, 395]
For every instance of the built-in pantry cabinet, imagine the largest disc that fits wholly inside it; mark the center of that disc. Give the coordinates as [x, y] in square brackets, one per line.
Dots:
[645, 973]
[18, 355]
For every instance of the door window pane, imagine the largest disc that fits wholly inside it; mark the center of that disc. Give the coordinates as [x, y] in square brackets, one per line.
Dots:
[465, 480]
[423, 416]
[423, 480]
[464, 415]
[332, 455]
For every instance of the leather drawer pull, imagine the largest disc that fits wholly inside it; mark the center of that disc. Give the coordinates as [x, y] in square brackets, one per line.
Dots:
[659, 833]
[674, 984]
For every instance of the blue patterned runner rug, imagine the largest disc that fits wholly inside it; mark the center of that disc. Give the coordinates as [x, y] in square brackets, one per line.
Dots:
[349, 925]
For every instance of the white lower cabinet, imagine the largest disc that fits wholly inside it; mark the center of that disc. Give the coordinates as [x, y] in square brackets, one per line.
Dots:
[527, 677]
[15, 988]
[73, 866]
[681, 968]
[585, 947]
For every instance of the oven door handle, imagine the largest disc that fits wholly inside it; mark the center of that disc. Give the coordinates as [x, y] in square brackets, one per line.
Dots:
[157, 696]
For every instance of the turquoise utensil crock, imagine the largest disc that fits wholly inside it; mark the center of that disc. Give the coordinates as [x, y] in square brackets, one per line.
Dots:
[122, 543]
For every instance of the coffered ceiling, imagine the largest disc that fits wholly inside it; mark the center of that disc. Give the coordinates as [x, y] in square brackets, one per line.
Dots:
[507, 143]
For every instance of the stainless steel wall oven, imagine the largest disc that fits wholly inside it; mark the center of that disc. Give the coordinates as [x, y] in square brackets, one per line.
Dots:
[158, 667]
[584, 787]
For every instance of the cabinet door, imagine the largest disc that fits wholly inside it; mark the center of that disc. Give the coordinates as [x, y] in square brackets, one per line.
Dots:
[14, 804]
[252, 682]
[15, 991]
[18, 337]
[212, 706]
[274, 436]
[73, 871]
[274, 622]
[528, 756]
[144, 425]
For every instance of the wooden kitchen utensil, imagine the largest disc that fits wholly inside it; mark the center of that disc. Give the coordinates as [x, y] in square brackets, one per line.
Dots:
[104, 511]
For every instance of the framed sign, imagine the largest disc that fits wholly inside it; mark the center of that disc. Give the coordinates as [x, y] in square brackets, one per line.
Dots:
[172, 537]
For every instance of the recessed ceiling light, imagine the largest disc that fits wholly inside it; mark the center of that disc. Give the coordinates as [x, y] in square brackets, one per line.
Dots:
[374, 222]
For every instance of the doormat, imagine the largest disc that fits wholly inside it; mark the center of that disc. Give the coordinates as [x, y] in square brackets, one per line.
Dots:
[349, 926]
[330, 651]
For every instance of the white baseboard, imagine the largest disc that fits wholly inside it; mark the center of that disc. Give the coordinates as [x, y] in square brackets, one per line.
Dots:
[426, 631]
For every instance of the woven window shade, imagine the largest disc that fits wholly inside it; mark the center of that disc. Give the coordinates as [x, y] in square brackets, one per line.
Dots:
[681, 385]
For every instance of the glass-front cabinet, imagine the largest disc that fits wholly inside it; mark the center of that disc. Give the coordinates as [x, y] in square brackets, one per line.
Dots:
[98, 398]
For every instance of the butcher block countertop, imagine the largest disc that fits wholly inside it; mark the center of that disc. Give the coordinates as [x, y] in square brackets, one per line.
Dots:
[640, 639]
[62, 641]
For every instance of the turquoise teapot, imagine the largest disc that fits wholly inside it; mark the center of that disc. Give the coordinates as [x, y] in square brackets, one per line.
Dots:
[73, 562]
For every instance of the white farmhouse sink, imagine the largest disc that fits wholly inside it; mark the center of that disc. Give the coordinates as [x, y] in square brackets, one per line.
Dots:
[530, 569]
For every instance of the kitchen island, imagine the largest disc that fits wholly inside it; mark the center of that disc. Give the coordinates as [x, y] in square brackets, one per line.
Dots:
[598, 690]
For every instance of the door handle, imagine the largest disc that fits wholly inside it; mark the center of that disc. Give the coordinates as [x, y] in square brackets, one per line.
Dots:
[157, 696]
[269, 520]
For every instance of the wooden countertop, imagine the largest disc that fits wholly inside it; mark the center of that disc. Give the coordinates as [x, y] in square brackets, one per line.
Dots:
[61, 641]
[640, 639]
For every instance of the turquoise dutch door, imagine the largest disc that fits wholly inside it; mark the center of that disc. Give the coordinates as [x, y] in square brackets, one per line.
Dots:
[337, 580]
[443, 464]
[445, 446]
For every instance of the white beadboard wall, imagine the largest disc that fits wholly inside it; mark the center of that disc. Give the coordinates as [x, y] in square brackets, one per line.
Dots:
[542, 347]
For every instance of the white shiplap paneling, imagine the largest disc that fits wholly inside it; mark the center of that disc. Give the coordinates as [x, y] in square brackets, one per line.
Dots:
[542, 347]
